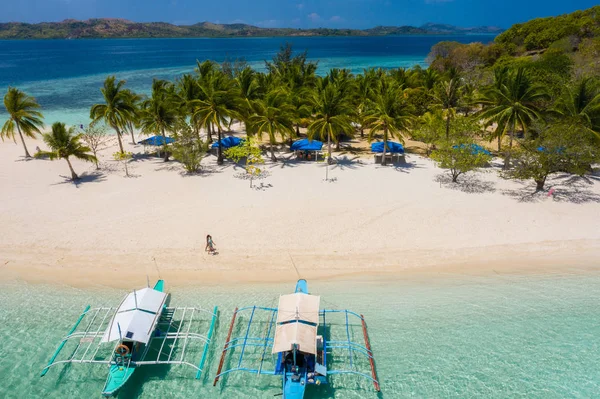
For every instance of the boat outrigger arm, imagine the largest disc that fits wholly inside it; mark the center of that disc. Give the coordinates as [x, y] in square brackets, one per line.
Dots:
[288, 344]
[173, 330]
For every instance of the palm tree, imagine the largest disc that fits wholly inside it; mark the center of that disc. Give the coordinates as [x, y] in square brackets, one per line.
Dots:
[220, 104]
[363, 95]
[273, 115]
[581, 104]
[159, 113]
[132, 120]
[188, 91]
[23, 115]
[512, 104]
[65, 144]
[116, 109]
[448, 95]
[250, 90]
[389, 114]
[332, 110]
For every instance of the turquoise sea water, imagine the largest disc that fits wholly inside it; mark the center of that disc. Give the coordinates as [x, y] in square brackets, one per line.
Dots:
[66, 75]
[495, 336]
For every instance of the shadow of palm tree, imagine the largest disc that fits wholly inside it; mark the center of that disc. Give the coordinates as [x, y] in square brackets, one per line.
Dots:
[561, 188]
[470, 183]
[403, 167]
[347, 163]
[286, 162]
[94, 177]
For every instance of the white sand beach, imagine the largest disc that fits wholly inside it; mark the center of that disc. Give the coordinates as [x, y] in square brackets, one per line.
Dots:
[368, 220]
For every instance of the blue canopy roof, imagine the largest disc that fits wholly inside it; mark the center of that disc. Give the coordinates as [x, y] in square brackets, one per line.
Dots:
[393, 147]
[156, 140]
[475, 149]
[306, 145]
[228, 142]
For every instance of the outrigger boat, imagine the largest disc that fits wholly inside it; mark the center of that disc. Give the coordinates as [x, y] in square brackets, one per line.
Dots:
[143, 330]
[297, 334]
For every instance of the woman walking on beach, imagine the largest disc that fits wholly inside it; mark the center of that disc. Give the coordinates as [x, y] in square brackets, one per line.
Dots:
[210, 245]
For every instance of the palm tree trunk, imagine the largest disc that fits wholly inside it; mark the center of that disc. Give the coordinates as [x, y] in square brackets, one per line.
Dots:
[131, 131]
[329, 148]
[23, 141]
[119, 138]
[73, 174]
[337, 144]
[273, 157]
[209, 133]
[448, 125]
[362, 132]
[499, 143]
[220, 149]
[165, 145]
[511, 134]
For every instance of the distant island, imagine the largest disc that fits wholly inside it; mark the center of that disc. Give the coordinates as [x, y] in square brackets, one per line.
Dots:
[119, 28]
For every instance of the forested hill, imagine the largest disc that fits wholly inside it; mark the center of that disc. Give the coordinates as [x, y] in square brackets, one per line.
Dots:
[120, 28]
[542, 33]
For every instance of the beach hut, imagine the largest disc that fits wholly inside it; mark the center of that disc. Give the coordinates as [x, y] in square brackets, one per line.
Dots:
[393, 149]
[156, 141]
[305, 147]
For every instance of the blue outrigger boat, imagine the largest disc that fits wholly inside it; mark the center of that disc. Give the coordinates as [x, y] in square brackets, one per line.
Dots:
[296, 333]
[143, 330]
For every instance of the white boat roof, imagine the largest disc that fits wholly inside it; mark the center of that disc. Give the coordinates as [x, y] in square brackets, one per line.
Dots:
[136, 317]
[297, 323]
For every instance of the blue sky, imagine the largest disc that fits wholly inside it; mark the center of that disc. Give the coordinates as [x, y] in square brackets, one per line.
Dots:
[295, 13]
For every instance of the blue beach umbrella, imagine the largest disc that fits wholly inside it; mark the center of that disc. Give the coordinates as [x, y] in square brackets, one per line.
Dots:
[157, 141]
[475, 149]
[392, 147]
[228, 142]
[306, 145]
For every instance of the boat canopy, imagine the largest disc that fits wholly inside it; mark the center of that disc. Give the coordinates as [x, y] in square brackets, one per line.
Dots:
[228, 142]
[392, 147]
[136, 317]
[157, 141]
[306, 145]
[297, 322]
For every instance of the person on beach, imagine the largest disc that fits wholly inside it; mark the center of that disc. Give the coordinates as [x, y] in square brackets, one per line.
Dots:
[210, 245]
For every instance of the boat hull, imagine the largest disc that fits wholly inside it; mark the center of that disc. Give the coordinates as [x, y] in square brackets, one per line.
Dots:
[294, 389]
[117, 377]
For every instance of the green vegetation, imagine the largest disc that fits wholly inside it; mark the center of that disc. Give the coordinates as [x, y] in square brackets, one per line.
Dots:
[252, 155]
[118, 109]
[64, 144]
[471, 94]
[24, 117]
[541, 33]
[188, 149]
[459, 158]
[120, 28]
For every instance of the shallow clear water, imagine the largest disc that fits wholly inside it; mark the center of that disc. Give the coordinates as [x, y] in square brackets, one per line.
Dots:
[66, 75]
[454, 336]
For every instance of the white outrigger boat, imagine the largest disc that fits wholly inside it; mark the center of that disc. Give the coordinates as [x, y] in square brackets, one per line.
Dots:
[142, 330]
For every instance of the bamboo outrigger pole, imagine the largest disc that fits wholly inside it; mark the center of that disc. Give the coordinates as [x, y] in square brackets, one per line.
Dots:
[371, 359]
[225, 347]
